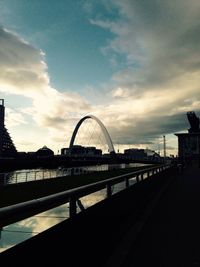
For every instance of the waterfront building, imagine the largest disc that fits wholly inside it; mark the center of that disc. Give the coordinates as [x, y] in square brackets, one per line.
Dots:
[141, 154]
[7, 147]
[81, 150]
[135, 153]
[189, 143]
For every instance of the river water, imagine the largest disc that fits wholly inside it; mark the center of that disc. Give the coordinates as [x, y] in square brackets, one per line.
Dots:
[15, 233]
[27, 175]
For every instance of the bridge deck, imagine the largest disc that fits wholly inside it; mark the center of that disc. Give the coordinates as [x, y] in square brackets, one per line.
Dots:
[136, 227]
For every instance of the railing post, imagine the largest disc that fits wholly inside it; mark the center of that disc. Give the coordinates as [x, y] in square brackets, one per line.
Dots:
[79, 203]
[142, 176]
[127, 182]
[137, 178]
[4, 179]
[109, 190]
[72, 207]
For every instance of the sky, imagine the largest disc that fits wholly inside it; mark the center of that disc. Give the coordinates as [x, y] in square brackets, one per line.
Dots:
[133, 64]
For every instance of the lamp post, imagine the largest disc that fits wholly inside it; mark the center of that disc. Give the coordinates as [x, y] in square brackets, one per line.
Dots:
[164, 148]
[198, 145]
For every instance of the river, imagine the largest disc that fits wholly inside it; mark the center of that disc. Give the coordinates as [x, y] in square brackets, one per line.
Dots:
[26, 175]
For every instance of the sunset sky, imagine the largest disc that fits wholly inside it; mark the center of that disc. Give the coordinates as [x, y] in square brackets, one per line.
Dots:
[133, 64]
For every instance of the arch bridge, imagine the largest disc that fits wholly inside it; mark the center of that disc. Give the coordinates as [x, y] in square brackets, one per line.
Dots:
[103, 129]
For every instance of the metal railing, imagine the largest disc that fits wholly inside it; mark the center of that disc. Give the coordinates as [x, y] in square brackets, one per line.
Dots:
[17, 212]
[33, 175]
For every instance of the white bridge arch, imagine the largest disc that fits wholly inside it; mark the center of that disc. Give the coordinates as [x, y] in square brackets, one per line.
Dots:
[103, 128]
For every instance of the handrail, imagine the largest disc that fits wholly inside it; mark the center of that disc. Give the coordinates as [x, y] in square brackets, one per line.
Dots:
[20, 211]
[33, 175]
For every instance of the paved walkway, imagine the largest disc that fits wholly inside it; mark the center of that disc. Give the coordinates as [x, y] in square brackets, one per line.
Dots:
[171, 237]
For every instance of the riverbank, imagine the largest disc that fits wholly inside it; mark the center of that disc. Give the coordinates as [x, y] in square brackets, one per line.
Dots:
[53, 162]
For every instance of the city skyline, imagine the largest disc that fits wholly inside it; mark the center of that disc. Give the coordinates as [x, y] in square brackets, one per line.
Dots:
[133, 64]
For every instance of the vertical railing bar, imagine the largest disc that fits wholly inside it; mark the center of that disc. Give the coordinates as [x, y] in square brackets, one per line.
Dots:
[72, 206]
[127, 182]
[108, 190]
[4, 179]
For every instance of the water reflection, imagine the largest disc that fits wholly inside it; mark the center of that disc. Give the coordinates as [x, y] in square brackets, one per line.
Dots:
[93, 198]
[22, 230]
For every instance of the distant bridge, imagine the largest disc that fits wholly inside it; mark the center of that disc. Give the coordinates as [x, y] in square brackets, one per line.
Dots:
[103, 129]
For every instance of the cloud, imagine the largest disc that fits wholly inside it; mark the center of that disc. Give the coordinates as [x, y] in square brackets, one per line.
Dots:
[14, 118]
[160, 80]
[24, 72]
[23, 69]
[121, 92]
[160, 41]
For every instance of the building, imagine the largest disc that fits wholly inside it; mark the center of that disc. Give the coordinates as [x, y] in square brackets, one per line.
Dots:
[81, 150]
[189, 143]
[141, 154]
[135, 153]
[44, 152]
[7, 148]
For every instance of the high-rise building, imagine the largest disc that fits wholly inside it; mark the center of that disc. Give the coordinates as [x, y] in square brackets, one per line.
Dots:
[7, 148]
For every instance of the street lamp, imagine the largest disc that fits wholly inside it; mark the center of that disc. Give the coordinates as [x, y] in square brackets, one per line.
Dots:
[164, 148]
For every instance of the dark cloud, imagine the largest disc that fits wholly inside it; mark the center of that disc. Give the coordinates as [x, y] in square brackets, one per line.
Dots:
[147, 130]
[159, 38]
[161, 42]
[55, 122]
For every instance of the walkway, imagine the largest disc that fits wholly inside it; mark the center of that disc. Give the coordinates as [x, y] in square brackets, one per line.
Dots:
[172, 235]
[154, 223]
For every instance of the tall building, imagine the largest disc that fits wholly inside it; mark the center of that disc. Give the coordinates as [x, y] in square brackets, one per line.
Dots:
[7, 148]
[189, 143]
